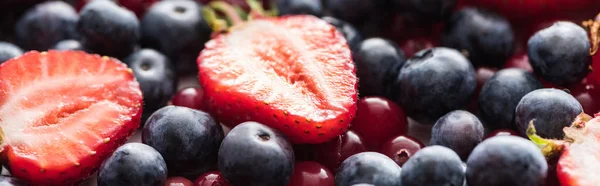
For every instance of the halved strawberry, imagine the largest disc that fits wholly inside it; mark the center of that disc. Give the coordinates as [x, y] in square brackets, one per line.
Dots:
[63, 113]
[578, 154]
[293, 73]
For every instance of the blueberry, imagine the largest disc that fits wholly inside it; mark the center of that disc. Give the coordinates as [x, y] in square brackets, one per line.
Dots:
[178, 30]
[560, 53]
[156, 76]
[378, 62]
[254, 154]
[133, 164]
[9, 51]
[45, 24]
[506, 160]
[311, 7]
[500, 95]
[353, 11]
[368, 168]
[433, 166]
[550, 109]
[188, 139]
[68, 45]
[458, 130]
[486, 37]
[107, 29]
[11, 181]
[434, 82]
[350, 32]
[419, 11]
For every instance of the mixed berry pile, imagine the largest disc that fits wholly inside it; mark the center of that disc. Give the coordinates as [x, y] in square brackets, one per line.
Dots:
[300, 92]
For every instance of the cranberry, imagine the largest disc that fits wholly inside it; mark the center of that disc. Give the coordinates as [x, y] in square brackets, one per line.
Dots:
[178, 181]
[401, 148]
[212, 178]
[190, 97]
[139, 7]
[309, 173]
[332, 153]
[519, 61]
[412, 46]
[482, 75]
[502, 132]
[596, 66]
[588, 95]
[378, 119]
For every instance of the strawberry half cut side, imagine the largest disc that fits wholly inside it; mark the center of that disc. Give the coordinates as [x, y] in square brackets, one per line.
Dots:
[293, 73]
[63, 112]
[578, 154]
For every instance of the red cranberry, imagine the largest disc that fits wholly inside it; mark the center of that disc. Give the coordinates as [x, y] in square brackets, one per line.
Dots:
[519, 61]
[412, 46]
[401, 148]
[503, 132]
[482, 75]
[588, 95]
[190, 97]
[139, 7]
[309, 173]
[213, 178]
[378, 119]
[332, 153]
[178, 181]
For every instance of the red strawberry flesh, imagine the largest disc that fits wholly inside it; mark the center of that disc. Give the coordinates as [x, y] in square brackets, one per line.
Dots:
[292, 73]
[580, 160]
[62, 113]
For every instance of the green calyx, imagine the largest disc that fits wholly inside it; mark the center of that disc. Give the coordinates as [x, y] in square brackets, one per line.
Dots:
[552, 148]
[221, 15]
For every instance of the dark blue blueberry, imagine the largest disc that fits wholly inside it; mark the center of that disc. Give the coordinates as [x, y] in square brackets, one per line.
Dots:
[353, 11]
[156, 76]
[8, 51]
[133, 164]
[434, 82]
[368, 168]
[350, 32]
[311, 7]
[178, 30]
[188, 139]
[378, 62]
[68, 45]
[506, 160]
[560, 53]
[486, 37]
[419, 11]
[107, 29]
[550, 109]
[11, 181]
[45, 24]
[458, 130]
[253, 154]
[433, 166]
[500, 95]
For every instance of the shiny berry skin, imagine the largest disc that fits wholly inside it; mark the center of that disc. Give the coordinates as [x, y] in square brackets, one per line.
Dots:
[378, 62]
[267, 157]
[334, 152]
[483, 74]
[9, 51]
[377, 120]
[213, 178]
[133, 164]
[178, 181]
[588, 95]
[401, 148]
[10, 181]
[560, 53]
[458, 130]
[69, 44]
[433, 165]
[45, 24]
[190, 97]
[294, 7]
[309, 173]
[368, 167]
[502, 132]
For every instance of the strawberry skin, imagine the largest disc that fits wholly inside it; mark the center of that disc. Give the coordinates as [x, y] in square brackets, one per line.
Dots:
[292, 73]
[579, 161]
[63, 112]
